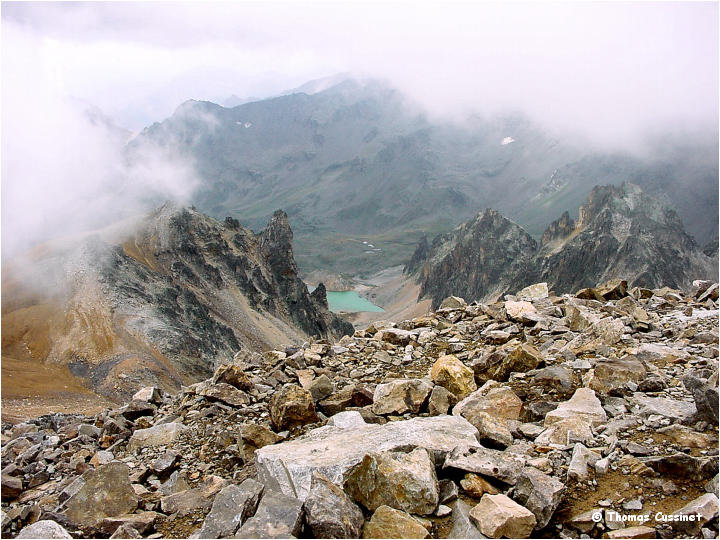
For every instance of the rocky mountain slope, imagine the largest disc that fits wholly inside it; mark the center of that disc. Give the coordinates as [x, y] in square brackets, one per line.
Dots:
[163, 300]
[620, 232]
[357, 162]
[542, 417]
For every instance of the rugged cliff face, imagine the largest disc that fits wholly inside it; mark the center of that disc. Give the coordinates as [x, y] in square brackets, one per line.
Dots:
[475, 258]
[620, 232]
[159, 301]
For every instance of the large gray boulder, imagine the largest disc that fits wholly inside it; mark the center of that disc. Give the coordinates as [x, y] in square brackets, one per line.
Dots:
[278, 516]
[332, 451]
[231, 508]
[329, 512]
[43, 529]
[159, 435]
[402, 481]
[539, 493]
[504, 466]
[107, 492]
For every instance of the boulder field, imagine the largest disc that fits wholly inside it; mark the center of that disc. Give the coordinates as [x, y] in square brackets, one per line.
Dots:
[593, 415]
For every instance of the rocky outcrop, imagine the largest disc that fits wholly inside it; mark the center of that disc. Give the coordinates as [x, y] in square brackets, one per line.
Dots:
[474, 260]
[512, 459]
[162, 301]
[620, 232]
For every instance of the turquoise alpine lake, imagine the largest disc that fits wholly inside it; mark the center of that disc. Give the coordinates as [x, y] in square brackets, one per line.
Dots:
[350, 301]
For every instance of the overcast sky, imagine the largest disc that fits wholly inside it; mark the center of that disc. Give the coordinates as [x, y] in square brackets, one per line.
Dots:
[611, 72]
[607, 68]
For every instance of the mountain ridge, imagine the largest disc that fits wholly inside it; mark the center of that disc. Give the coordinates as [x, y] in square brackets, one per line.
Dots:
[620, 232]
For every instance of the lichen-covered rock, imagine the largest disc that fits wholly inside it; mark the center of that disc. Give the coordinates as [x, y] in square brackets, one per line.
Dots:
[277, 516]
[329, 513]
[500, 402]
[107, 492]
[158, 435]
[291, 407]
[539, 493]
[400, 396]
[388, 522]
[232, 506]
[453, 375]
[402, 481]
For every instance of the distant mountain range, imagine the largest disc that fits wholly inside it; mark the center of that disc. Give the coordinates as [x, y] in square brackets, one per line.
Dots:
[621, 233]
[352, 162]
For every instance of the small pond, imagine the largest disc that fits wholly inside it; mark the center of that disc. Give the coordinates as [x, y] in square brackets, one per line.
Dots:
[350, 301]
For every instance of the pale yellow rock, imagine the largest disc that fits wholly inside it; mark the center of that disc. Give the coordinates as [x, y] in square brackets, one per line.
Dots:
[453, 375]
[498, 515]
[387, 522]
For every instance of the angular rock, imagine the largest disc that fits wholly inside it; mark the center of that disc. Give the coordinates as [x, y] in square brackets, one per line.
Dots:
[503, 466]
[441, 401]
[706, 398]
[670, 408]
[150, 394]
[609, 375]
[232, 506]
[142, 522]
[539, 493]
[288, 466]
[702, 510]
[453, 302]
[387, 522]
[43, 529]
[126, 531]
[555, 378]
[536, 291]
[517, 310]
[12, 487]
[583, 404]
[498, 515]
[321, 387]
[402, 481]
[491, 432]
[164, 464]
[499, 365]
[329, 512]
[195, 499]
[463, 527]
[107, 492]
[159, 435]
[395, 336]
[277, 516]
[581, 458]
[291, 407]
[640, 531]
[688, 438]
[681, 465]
[476, 486]
[223, 392]
[453, 375]
[400, 395]
[615, 289]
[500, 402]
[233, 375]
[346, 420]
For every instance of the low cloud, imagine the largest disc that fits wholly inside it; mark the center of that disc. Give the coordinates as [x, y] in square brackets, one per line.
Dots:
[64, 166]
